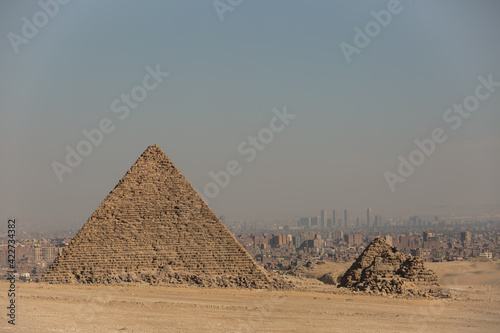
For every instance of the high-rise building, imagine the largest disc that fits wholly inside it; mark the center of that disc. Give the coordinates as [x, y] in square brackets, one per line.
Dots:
[49, 253]
[315, 221]
[426, 235]
[316, 243]
[334, 221]
[466, 236]
[37, 254]
[338, 234]
[323, 222]
[346, 217]
[353, 239]
[368, 214]
[299, 239]
[278, 240]
[305, 222]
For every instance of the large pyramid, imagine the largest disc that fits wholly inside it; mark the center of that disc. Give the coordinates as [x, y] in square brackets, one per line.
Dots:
[381, 268]
[154, 227]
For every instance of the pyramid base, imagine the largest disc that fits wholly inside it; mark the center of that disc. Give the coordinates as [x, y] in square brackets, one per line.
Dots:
[174, 278]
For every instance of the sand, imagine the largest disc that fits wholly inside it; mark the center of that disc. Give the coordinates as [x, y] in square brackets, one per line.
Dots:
[475, 307]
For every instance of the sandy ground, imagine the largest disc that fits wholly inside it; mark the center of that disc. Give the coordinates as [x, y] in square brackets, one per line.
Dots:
[475, 307]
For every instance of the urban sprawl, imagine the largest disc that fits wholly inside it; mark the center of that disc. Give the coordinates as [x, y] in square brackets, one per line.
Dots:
[327, 237]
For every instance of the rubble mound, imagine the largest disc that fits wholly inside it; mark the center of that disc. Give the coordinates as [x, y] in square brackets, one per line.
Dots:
[381, 268]
[328, 278]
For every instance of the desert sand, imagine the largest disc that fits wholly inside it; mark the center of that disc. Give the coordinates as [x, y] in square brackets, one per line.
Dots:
[474, 307]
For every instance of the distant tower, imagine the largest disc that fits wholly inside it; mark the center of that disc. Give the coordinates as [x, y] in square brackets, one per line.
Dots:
[357, 222]
[346, 217]
[368, 213]
[466, 236]
[378, 221]
[334, 221]
[323, 225]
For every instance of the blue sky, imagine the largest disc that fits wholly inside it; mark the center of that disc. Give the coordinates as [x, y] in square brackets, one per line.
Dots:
[353, 119]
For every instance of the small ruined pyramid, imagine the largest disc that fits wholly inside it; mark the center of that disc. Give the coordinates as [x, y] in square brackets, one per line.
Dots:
[381, 268]
[154, 227]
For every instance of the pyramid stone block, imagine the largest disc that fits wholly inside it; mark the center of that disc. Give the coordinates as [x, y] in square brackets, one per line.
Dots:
[154, 227]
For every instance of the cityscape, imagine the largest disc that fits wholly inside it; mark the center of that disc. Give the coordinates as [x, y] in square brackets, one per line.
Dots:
[432, 238]
[326, 237]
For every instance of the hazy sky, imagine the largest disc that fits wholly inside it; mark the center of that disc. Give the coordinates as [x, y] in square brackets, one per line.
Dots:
[225, 78]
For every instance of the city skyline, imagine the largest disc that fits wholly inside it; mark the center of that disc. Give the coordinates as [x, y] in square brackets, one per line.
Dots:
[309, 219]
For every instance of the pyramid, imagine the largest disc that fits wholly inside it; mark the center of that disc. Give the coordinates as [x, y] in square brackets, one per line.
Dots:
[154, 227]
[381, 268]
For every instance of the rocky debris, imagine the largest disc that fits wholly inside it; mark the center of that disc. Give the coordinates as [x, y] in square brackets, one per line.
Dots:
[183, 278]
[381, 268]
[153, 227]
[328, 278]
[310, 265]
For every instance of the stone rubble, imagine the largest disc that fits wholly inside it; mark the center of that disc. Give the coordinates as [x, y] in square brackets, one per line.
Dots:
[382, 269]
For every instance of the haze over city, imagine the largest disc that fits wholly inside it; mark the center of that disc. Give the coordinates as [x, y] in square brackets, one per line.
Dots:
[353, 115]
